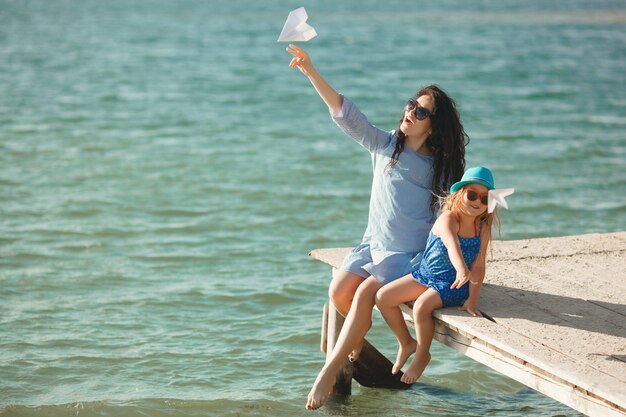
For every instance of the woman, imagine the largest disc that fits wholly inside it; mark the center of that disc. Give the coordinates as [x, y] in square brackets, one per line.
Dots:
[412, 165]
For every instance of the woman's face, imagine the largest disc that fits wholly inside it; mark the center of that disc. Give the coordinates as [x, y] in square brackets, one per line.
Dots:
[410, 125]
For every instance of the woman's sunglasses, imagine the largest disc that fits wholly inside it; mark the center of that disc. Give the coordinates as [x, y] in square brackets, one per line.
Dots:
[420, 113]
[473, 196]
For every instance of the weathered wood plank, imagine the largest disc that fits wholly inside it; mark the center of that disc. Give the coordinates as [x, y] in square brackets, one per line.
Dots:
[534, 346]
[343, 384]
[575, 328]
[373, 370]
[324, 338]
[525, 373]
[559, 306]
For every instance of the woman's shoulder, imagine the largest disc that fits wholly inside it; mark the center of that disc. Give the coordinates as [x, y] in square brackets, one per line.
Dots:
[387, 147]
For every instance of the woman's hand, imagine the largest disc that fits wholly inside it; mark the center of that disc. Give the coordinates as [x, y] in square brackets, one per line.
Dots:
[461, 278]
[301, 60]
[470, 308]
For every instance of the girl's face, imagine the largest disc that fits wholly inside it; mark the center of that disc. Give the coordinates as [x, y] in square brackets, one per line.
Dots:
[477, 206]
[411, 125]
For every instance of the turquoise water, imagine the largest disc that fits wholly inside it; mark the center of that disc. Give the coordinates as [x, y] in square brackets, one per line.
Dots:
[164, 174]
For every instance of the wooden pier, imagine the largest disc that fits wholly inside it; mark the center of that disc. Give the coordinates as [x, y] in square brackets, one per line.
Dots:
[555, 320]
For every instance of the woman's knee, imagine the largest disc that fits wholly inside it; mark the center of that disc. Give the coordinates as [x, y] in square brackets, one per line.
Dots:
[343, 287]
[382, 298]
[339, 296]
[366, 293]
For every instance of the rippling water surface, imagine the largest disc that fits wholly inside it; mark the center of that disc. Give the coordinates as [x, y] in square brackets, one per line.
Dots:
[164, 173]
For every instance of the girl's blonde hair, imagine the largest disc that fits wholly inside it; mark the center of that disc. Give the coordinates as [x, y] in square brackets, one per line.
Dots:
[486, 220]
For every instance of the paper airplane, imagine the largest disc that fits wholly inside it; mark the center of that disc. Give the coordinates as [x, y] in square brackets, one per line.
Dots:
[497, 197]
[296, 28]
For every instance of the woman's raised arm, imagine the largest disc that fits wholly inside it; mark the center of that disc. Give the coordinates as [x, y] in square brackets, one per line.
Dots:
[302, 60]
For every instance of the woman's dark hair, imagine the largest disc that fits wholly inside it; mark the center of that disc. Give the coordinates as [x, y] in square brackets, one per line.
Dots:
[446, 142]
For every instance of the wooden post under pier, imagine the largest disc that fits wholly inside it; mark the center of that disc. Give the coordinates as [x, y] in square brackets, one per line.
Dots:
[559, 319]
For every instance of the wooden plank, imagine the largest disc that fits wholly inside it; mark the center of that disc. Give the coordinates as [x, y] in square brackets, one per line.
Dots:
[343, 384]
[373, 369]
[586, 321]
[511, 364]
[539, 361]
[531, 345]
[558, 246]
[586, 337]
[575, 278]
[324, 338]
[559, 309]
[331, 256]
[559, 389]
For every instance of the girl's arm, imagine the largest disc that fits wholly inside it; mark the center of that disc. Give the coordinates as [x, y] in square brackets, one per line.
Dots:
[302, 60]
[479, 267]
[446, 227]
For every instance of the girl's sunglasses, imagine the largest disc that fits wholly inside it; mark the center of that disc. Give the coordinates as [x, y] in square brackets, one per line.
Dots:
[473, 196]
[420, 113]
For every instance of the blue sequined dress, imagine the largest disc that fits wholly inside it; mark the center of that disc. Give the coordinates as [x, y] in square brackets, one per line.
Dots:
[437, 272]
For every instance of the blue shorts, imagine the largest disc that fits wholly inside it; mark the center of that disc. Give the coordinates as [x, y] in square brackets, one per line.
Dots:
[384, 266]
[449, 297]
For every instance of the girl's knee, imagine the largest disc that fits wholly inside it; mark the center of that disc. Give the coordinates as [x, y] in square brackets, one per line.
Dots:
[422, 309]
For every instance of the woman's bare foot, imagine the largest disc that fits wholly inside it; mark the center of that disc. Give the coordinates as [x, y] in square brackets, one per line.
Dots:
[354, 355]
[404, 352]
[321, 389]
[356, 352]
[415, 369]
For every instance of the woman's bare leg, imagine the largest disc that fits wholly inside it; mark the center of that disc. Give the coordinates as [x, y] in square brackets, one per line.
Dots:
[341, 292]
[355, 327]
[342, 289]
[388, 299]
[424, 332]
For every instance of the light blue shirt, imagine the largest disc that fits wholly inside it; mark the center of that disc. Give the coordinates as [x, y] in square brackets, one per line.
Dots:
[400, 216]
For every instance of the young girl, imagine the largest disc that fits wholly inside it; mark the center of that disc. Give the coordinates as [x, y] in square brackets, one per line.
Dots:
[450, 274]
[421, 158]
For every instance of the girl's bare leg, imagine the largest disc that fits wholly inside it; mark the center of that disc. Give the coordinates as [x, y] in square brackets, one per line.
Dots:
[355, 327]
[388, 299]
[424, 332]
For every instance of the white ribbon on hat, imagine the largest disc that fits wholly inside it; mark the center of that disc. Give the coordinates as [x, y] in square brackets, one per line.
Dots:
[497, 197]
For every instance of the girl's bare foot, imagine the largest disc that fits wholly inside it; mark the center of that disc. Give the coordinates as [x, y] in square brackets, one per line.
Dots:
[404, 352]
[321, 389]
[415, 369]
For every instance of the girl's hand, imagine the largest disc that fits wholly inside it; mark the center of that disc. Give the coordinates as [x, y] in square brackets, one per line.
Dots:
[470, 308]
[301, 60]
[461, 278]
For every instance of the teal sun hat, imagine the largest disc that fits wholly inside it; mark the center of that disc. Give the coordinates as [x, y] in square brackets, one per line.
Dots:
[480, 175]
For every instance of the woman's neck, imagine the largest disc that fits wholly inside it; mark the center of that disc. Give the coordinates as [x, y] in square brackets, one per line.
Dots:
[418, 144]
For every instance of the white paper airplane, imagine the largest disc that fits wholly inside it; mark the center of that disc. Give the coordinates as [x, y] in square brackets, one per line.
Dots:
[296, 28]
[497, 197]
